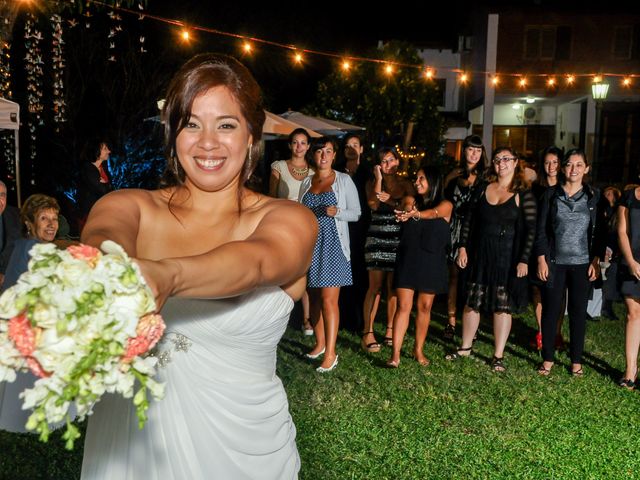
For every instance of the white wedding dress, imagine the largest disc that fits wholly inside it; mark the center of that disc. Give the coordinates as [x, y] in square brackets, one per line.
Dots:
[225, 413]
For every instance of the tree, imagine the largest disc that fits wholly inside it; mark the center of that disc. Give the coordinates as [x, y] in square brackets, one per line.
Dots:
[390, 106]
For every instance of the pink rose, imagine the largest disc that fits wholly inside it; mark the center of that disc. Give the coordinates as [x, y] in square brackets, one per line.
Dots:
[149, 330]
[89, 254]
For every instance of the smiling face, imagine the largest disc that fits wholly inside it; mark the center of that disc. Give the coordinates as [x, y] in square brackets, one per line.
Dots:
[575, 169]
[212, 147]
[324, 157]
[551, 164]
[421, 183]
[389, 164]
[45, 226]
[299, 145]
[104, 153]
[504, 163]
[472, 156]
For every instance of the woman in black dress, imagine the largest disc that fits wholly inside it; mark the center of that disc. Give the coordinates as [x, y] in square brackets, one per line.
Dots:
[460, 185]
[421, 261]
[496, 244]
[629, 275]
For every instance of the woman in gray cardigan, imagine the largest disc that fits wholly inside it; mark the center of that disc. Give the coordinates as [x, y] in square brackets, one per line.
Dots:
[333, 198]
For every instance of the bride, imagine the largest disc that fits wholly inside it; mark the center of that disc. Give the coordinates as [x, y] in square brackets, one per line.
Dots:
[227, 264]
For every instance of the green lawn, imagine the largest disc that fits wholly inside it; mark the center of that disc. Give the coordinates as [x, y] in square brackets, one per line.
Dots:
[445, 421]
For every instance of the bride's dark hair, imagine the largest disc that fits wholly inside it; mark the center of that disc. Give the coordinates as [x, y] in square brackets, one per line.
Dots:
[201, 73]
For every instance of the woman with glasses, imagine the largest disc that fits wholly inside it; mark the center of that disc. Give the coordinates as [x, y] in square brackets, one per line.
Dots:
[333, 198]
[495, 245]
[570, 242]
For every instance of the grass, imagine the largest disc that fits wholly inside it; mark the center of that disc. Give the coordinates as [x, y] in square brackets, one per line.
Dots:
[449, 420]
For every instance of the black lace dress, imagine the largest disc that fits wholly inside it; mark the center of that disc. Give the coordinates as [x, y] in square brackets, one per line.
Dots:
[497, 238]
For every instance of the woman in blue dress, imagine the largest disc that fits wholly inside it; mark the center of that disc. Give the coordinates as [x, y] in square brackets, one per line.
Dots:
[333, 198]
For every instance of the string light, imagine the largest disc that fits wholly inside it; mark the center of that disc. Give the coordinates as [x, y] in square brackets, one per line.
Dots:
[246, 47]
[597, 79]
[523, 82]
[346, 65]
[626, 82]
[388, 69]
[298, 58]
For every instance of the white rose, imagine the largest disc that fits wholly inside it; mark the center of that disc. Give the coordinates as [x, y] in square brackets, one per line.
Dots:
[76, 273]
[7, 374]
[51, 349]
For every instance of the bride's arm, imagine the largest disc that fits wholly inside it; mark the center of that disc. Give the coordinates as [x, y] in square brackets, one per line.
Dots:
[278, 252]
[116, 216]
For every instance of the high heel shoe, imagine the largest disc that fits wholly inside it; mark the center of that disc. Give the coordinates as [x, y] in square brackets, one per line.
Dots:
[307, 329]
[332, 367]
[373, 347]
[388, 341]
[314, 356]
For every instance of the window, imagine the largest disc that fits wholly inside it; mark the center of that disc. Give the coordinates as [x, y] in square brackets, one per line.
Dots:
[547, 42]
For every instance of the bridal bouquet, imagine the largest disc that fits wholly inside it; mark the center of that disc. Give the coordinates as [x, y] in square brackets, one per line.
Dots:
[81, 320]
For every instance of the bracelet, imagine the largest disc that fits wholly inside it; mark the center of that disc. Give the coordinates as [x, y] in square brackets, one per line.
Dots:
[436, 210]
[416, 218]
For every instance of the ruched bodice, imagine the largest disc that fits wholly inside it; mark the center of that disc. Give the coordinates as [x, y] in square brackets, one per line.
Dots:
[225, 413]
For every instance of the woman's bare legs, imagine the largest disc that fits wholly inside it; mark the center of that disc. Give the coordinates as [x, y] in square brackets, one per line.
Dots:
[331, 320]
[315, 312]
[400, 323]
[306, 313]
[423, 318]
[632, 337]
[392, 303]
[371, 302]
[452, 297]
[470, 323]
[501, 330]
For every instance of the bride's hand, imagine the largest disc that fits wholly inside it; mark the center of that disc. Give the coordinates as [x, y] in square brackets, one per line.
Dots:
[160, 277]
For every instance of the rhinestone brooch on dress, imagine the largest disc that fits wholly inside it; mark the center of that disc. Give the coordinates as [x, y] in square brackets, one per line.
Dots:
[180, 344]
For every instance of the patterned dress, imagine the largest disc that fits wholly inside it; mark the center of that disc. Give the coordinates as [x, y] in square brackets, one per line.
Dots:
[329, 266]
[382, 241]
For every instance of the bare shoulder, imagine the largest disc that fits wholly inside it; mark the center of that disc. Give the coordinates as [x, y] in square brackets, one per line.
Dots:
[285, 211]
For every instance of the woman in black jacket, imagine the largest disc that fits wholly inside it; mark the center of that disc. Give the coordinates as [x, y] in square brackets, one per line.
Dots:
[570, 242]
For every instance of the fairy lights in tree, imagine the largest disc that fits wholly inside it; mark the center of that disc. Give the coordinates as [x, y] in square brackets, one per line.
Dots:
[34, 70]
[57, 68]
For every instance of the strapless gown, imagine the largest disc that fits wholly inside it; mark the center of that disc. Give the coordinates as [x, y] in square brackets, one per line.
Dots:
[225, 413]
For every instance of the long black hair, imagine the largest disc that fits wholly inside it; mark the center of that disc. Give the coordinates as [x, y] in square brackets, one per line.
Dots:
[435, 192]
[476, 142]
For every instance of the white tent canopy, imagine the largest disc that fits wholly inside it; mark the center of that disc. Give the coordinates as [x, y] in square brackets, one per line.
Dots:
[278, 126]
[10, 120]
[319, 124]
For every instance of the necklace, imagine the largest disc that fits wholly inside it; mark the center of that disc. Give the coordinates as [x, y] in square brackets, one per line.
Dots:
[300, 171]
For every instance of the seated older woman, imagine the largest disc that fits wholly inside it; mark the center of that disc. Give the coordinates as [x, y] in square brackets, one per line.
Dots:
[39, 217]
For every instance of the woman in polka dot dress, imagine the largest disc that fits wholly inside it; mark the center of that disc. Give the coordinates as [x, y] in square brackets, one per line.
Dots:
[333, 197]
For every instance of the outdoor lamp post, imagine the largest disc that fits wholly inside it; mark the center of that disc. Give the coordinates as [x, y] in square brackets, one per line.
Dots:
[599, 92]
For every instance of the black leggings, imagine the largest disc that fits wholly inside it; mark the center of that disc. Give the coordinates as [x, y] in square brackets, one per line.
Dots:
[573, 278]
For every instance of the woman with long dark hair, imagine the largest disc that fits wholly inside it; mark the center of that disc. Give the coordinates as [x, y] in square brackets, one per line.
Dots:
[570, 242]
[460, 185]
[421, 264]
[495, 245]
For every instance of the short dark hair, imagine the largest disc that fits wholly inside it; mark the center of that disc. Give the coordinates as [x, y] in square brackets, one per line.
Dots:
[474, 141]
[319, 143]
[518, 183]
[384, 150]
[563, 163]
[34, 205]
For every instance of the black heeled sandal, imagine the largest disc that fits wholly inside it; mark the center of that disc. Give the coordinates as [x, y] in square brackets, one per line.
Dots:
[388, 341]
[456, 355]
[497, 364]
[373, 347]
